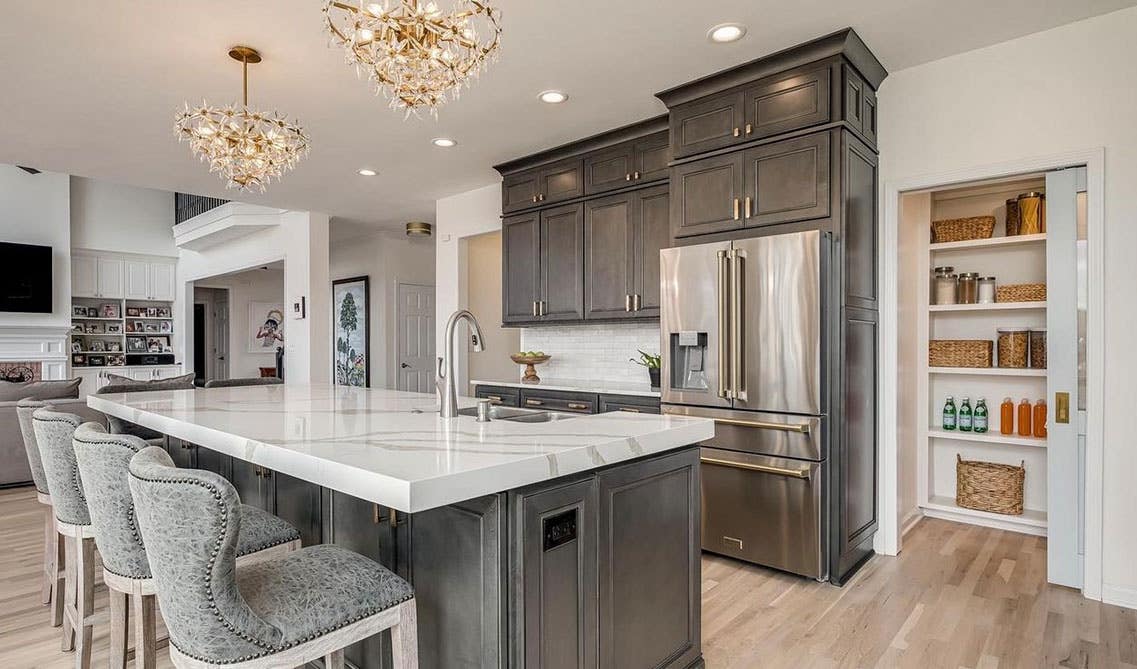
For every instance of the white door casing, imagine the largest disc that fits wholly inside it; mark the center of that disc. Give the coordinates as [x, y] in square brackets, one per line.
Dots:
[220, 353]
[414, 338]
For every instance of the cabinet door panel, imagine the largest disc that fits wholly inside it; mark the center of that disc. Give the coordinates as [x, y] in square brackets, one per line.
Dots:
[706, 124]
[609, 169]
[245, 478]
[788, 181]
[798, 101]
[859, 229]
[297, 502]
[110, 281]
[650, 158]
[162, 282]
[520, 266]
[652, 232]
[705, 195]
[649, 534]
[137, 280]
[519, 191]
[561, 181]
[608, 261]
[562, 263]
[84, 276]
[555, 577]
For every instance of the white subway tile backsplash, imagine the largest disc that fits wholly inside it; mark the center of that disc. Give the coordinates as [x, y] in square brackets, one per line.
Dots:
[594, 352]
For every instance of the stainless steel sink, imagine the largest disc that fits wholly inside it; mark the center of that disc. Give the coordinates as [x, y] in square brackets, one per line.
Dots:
[519, 415]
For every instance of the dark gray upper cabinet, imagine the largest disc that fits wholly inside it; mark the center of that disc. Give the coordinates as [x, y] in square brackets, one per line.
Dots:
[609, 169]
[860, 106]
[706, 195]
[520, 267]
[708, 124]
[787, 181]
[858, 222]
[609, 256]
[561, 181]
[650, 234]
[519, 191]
[650, 158]
[562, 264]
[785, 103]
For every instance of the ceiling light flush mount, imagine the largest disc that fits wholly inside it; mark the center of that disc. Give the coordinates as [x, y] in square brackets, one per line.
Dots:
[249, 148]
[416, 54]
[552, 97]
[365, 172]
[443, 142]
[418, 229]
[726, 32]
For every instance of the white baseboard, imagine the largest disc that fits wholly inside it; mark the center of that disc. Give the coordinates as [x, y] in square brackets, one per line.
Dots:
[1119, 595]
[909, 521]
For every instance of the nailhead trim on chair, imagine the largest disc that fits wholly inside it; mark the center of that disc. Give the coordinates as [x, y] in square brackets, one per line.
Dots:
[75, 482]
[269, 650]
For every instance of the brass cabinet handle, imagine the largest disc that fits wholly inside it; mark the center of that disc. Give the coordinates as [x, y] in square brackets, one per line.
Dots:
[737, 381]
[629, 410]
[749, 128]
[375, 514]
[494, 399]
[627, 177]
[802, 428]
[765, 469]
[635, 301]
[736, 214]
[627, 303]
[723, 288]
[636, 175]
[577, 405]
[540, 197]
[541, 304]
[393, 517]
[534, 307]
[748, 206]
[534, 198]
[534, 403]
[737, 132]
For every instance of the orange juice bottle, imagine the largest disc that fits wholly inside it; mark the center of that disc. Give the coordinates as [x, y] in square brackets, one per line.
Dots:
[1024, 418]
[1007, 416]
[1040, 419]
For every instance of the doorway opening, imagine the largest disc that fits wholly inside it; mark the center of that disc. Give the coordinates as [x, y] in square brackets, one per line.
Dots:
[414, 337]
[239, 324]
[210, 334]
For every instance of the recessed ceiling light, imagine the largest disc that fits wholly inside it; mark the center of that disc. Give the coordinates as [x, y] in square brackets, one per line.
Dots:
[367, 173]
[726, 32]
[444, 142]
[553, 97]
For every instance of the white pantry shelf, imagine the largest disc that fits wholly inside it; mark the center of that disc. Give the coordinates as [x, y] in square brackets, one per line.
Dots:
[987, 437]
[1031, 521]
[989, 371]
[997, 306]
[993, 242]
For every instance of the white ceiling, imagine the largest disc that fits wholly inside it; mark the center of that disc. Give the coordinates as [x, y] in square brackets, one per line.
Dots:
[90, 88]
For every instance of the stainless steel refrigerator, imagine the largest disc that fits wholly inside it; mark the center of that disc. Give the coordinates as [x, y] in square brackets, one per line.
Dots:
[741, 329]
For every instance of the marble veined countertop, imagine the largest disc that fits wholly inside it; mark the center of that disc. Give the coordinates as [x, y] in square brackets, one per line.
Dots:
[580, 386]
[391, 447]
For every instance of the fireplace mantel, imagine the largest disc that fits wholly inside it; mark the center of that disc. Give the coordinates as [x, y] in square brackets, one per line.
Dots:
[45, 344]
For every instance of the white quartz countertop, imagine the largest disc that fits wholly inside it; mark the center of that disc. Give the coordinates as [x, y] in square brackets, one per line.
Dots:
[391, 447]
[580, 386]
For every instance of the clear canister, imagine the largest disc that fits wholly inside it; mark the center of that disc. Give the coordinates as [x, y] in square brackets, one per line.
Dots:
[968, 290]
[987, 290]
[1012, 217]
[1012, 347]
[1038, 348]
[1032, 213]
[944, 286]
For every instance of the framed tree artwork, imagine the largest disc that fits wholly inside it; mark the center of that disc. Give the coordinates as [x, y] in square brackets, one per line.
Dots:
[351, 332]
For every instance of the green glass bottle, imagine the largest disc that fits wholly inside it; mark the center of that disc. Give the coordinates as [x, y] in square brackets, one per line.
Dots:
[979, 419]
[965, 416]
[949, 414]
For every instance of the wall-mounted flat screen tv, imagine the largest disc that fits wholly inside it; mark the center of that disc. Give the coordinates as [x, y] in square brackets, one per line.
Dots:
[25, 278]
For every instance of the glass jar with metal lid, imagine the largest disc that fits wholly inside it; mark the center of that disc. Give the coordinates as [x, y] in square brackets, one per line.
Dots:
[1032, 213]
[987, 290]
[944, 286]
[968, 291]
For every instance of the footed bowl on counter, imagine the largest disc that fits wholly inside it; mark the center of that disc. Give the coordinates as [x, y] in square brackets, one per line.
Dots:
[530, 362]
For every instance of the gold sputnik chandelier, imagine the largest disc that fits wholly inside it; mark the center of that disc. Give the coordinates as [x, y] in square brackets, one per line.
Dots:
[249, 148]
[413, 52]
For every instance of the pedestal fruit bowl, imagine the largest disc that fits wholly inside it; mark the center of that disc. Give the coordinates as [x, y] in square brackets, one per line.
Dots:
[530, 359]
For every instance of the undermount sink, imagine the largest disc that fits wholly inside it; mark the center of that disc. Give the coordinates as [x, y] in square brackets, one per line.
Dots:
[519, 415]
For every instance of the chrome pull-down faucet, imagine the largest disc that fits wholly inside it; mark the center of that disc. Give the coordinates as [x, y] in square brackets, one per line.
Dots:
[447, 390]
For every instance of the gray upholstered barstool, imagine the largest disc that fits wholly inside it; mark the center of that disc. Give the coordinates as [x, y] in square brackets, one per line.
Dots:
[249, 381]
[283, 612]
[52, 560]
[54, 430]
[104, 469]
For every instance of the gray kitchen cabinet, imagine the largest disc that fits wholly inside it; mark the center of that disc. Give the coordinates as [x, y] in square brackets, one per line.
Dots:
[651, 232]
[250, 485]
[520, 267]
[554, 617]
[651, 157]
[609, 256]
[628, 404]
[560, 181]
[860, 106]
[561, 264]
[788, 101]
[519, 191]
[648, 532]
[786, 181]
[706, 195]
[294, 500]
[710, 123]
[609, 169]
[505, 396]
[558, 400]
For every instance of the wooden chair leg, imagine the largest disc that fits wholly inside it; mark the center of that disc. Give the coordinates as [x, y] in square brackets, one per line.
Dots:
[145, 634]
[59, 585]
[334, 660]
[85, 601]
[49, 569]
[119, 622]
[404, 638]
[70, 587]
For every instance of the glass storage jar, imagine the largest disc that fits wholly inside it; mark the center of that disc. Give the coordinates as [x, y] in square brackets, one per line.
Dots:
[944, 286]
[1038, 348]
[1032, 213]
[1012, 346]
[968, 290]
[987, 290]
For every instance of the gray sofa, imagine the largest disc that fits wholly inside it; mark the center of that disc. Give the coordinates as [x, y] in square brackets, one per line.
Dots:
[61, 395]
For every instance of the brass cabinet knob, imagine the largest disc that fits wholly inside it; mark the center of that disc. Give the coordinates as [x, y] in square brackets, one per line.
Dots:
[635, 175]
[627, 177]
[749, 128]
[737, 132]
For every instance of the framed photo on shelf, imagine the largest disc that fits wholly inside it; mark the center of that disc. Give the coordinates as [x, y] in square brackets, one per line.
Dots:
[116, 360]
[95, 328]
[96, 346]
[139, 326]
[136, 345]
[76, 346]
[79, 311]
[76, 328]
[92, 312]
[166, 326]
[79, 360]
[110, 311]
[132, 311]
[156, 344]
[165, 312]
[151, 312]
[114, 347]
[96, 361]
[114, 328]
[151, 327]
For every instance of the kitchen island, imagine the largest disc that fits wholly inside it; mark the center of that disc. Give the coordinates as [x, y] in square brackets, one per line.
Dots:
[567, 543]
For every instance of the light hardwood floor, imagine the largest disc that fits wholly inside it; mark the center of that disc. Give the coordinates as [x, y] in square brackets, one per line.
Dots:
[958, 596]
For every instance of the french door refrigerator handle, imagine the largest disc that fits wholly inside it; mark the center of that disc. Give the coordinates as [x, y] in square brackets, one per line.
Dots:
[765, 469]
[737, 382]
[723, 290]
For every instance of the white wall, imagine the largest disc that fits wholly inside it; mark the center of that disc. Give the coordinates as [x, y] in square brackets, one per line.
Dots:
[112, 217]
[483, 299]
[387, 258]
[252, 286]
[34, 209]
[457, 217]
[1066, 89]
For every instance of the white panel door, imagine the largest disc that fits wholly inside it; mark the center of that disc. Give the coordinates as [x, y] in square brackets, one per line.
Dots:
[220, 351]
[84, 276]
[110, 279]
[1064, 464]
[162, 282]
[414, 338]
[137, 280]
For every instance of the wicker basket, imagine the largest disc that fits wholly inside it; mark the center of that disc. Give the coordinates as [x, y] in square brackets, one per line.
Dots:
[963, 229]
[989, 486]
[960, 353]
[1021, 292]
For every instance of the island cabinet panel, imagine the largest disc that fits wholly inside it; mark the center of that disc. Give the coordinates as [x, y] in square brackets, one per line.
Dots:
[553, 576]
[711, 123]
[629, 404]
[706, 195]
[609, 256]
[649, 534]
[520, 265]
[562, 264]
[298, 502]
[251, 486]
[558, 400]
[787, 181]
[787, 102]
[459, 574]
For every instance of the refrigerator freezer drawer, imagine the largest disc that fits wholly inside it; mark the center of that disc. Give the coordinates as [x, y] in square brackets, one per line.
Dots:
[764, 510]
[774, 434]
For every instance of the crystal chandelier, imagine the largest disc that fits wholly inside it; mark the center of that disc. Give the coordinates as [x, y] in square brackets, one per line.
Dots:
[415, 53]
[249, 148]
